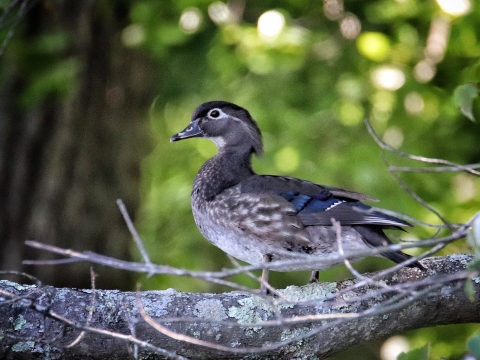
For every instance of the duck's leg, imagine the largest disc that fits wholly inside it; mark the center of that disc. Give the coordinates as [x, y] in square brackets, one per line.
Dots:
[265, 272]
[314, 277]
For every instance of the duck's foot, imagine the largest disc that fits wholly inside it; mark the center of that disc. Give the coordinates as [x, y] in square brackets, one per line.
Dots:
[314, 277]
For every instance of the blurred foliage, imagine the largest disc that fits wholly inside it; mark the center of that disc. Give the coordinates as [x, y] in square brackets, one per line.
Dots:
[408, 66]
[474, 345]
[464, 97]
[416, 354]
[309, 86]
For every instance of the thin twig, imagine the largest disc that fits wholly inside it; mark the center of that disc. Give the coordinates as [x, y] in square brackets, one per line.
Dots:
[216, 277]
[247, 350]
[90, 311]
[136, 237]
[379, 275]
[111, 334]
[338, 231]
[417, 197]
[423, 159]
[32, 278]
[51, 262]
[434, 169]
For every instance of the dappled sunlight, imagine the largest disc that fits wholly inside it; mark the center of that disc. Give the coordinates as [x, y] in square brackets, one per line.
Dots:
[333, 9]
[434, 52]
[455, 7]
[465, 188]
[388, 78]
[133, 35]
[393, 136]
[220, 13]
[350, 112]
[383, 103]
[190, 20]
[393, 347]
[350, 26]
[424, 71]
[270, 24]
[414, 103]
[374, 46]
[437, 39]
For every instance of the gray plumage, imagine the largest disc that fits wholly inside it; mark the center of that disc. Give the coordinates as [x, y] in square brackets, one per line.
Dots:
[259, 217]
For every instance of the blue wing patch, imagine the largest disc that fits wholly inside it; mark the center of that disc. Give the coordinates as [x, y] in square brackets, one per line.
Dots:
[320, 208]
[311, 203]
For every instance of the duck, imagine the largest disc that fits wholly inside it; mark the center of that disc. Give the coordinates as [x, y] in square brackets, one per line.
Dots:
[264, 218]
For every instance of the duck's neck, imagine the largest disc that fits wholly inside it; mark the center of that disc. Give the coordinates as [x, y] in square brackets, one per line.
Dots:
[226, 169]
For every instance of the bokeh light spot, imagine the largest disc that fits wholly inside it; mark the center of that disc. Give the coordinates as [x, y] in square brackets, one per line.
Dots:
[455, 7]
[414, 103]
[270, 24]
[393, 347]
[333, 9]
[393, 136]
[350, 113]
[374, 46]
[464, 188]
[190, 20]
[388, 78]
[350, 26]
[133, 35]
[424, 71]
[220, 13]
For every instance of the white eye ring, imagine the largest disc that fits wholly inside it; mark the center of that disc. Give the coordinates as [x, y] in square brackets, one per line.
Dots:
[215, 114]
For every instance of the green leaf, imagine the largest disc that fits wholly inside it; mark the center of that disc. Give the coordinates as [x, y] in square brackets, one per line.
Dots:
[416, 354]
[473, 345]
[474, 265]
[463, 97]
[469, 290]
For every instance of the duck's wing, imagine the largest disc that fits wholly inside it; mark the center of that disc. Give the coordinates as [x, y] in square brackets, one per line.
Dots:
[316, 205]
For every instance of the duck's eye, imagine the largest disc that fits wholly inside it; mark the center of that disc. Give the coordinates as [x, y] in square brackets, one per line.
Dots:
[214, 114]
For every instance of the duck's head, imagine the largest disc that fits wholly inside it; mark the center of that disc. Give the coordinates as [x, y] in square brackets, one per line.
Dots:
[226, 124]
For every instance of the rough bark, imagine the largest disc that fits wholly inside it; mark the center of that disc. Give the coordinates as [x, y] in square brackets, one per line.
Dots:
[227, 319]
[66, 157]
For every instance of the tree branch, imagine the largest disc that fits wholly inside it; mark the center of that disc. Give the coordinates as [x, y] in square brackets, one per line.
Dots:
[305, 321]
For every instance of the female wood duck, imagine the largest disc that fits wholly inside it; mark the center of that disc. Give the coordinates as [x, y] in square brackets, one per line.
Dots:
[259, 218]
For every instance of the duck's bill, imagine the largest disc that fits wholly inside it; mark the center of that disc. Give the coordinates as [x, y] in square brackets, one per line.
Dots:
[192, 130]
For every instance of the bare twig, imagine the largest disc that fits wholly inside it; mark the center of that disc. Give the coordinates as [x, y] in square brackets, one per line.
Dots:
[338, 231]
[136, 237]
[423, 159]
[90, 311]
[51, 262]
[32, 278]
[417, 198]
[434, 169]
[247, 350]
[216, 276]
